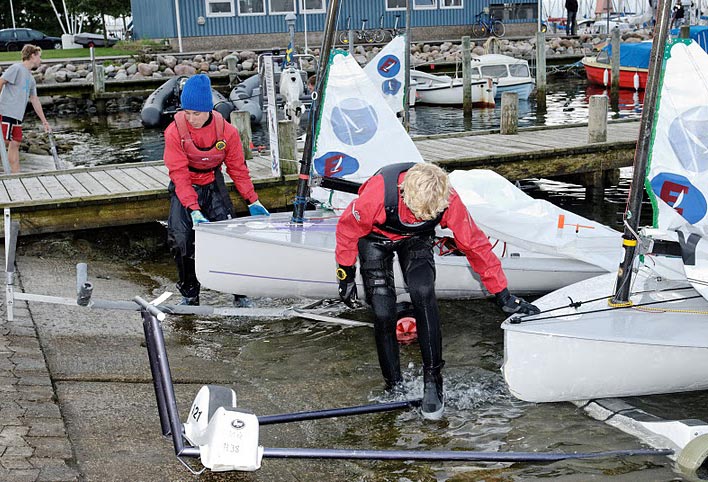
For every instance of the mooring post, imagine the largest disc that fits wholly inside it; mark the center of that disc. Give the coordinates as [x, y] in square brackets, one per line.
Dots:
[509, 113]
[466, 76]
[350, 37]
[597, 119]
[541, 71]
[241, 120]
[287, 146]
[615, 61]
[99, 80]
[685, 31]
[232, 66]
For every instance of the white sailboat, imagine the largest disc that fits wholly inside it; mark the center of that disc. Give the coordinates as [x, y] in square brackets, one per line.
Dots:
[357, 134]
[656, 339]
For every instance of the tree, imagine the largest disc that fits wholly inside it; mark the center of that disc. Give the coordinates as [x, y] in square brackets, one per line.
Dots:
[97, 10]
[36, 14]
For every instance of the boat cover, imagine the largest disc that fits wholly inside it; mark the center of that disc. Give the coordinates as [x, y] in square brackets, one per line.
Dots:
[505, 212]
[632, 55]
[698, 33]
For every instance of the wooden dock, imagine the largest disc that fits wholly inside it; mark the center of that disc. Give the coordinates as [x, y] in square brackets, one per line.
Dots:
[122, 194]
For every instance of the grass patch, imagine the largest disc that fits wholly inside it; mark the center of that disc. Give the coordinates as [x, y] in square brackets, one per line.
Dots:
[69, 53]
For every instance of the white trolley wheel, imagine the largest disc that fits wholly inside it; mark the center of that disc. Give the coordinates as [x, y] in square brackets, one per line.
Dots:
[693, 455]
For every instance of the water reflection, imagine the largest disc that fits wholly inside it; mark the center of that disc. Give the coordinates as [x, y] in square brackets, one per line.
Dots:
[120, 138]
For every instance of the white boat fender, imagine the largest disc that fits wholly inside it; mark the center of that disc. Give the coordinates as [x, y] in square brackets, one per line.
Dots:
[693, 456]
[232, 442]
[209, 398]
[636, 81]
[605, 77]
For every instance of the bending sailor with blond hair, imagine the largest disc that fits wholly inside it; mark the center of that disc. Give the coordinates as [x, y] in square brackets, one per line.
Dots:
[397, 212]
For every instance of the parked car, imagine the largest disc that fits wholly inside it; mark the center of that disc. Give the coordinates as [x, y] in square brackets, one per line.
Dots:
[12, 39]
[94, 40]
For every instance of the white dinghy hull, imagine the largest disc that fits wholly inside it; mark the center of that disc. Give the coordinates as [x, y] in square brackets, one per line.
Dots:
[616, 353]
[267, 256]
[445, 90]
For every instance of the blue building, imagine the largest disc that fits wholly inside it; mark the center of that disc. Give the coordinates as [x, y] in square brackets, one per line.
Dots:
[211, 24]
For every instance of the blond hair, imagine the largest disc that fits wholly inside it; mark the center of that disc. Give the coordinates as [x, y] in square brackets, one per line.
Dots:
[29, 50]
[426, 190]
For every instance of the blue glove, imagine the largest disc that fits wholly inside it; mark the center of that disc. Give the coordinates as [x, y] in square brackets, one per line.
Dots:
[257, 209]
[198, 217]
[511, 304]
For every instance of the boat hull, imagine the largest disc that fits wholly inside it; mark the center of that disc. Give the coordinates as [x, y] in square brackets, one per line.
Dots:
[443, 90]
[260, 256]
[596, 75]
[522, 88]
[614, 353]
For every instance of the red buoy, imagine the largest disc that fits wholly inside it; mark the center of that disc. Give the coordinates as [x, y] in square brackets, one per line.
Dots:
[406, 332]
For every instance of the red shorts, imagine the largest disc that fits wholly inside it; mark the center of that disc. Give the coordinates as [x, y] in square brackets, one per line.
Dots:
[11, 129]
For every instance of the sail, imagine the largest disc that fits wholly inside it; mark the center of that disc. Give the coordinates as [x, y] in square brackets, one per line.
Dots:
[357, 133]
[505, 212]
[677, 175]
[387, 71]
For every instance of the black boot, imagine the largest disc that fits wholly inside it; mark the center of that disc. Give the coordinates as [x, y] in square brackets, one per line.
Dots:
[433, 398]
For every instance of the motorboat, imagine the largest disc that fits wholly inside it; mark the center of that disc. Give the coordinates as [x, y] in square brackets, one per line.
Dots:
[160, 106]
[510, 74]
[643, 330]
[446, 90]
[634, 64]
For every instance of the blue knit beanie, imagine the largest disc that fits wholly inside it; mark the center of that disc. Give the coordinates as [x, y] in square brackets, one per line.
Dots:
[196, 94]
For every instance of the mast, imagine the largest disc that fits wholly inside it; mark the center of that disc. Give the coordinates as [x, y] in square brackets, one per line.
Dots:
[641, 155]
[306, 163]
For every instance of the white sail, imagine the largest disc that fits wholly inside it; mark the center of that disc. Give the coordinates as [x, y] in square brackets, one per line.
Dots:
[387, 71]
[505, 212]
[677, 176]
[357, 132]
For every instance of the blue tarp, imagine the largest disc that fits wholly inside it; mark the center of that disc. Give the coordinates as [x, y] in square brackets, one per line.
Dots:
[632, 55]
[699, 34]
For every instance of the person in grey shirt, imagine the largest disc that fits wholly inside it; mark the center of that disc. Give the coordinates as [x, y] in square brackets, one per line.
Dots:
[17, 86]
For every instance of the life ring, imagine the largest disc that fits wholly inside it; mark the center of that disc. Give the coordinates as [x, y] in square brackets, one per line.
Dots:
[406, 332]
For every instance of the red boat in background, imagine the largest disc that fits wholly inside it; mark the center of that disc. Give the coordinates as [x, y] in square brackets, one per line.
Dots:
[634, 66]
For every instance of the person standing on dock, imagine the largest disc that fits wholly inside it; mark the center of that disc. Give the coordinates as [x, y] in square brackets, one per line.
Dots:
[571, 21]
[677, 15]
[397, 212]
[197, 143]
[17, 87]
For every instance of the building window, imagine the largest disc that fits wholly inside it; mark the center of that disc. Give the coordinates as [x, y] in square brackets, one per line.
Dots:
[313, 6]
[220, 8]
[282, 6]
[251, 7]
[424, 4]
[451, 4]
[395, 4]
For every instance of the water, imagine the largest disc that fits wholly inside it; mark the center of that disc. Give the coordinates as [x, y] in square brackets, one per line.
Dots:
[120, 138]
[304, 365]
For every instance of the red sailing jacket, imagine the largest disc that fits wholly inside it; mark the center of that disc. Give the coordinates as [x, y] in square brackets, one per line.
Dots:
[366, 213]
[181, 153]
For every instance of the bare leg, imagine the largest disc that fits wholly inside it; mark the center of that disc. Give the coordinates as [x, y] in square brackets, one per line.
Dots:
[13, 155]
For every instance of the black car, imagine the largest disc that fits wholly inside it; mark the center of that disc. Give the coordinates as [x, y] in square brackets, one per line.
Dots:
[12, 39]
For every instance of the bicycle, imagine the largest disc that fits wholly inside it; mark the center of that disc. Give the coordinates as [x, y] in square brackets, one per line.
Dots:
[360, 35]
[486, 24]
[383, 34]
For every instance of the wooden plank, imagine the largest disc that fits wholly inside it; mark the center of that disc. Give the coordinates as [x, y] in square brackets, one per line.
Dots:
[90, 183]
[158, 175]
[145, 180]
[72, 185]
[113, 186]
[35, 188]
[4, 196]
[54, 187]
[120, 176]
[16, 190]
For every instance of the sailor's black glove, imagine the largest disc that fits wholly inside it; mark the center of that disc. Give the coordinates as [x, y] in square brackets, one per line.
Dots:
[347, 284]
[511, 304]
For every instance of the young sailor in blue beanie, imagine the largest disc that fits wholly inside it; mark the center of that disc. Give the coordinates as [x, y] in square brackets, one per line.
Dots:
[197, 143]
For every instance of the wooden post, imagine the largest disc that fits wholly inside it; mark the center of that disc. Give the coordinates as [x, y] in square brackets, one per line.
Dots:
[597, 119]
[685, 31]
[509, 113]
[99, 80]
[287, 147]
[466, 76]
[541, 71]
[350, 36]
[241, 120]
[232, 65]
[615, 61]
